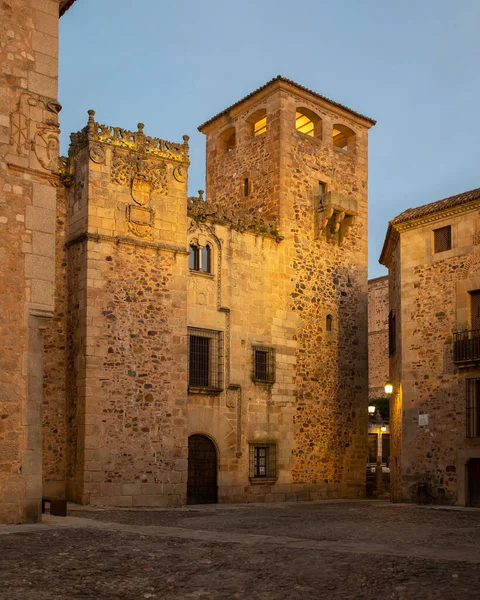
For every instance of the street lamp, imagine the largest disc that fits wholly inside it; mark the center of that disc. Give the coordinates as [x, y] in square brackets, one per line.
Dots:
[388, 387]
[371, 410]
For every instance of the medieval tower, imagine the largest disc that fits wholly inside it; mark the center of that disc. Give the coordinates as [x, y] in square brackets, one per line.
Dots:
[212, 348]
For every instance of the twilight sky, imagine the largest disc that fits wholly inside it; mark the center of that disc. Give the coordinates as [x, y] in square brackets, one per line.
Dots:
[411, 65]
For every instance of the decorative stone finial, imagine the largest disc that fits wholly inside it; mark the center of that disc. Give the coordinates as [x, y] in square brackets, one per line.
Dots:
[200, 194]
[140, 127]
[91, 114]
[186, 138]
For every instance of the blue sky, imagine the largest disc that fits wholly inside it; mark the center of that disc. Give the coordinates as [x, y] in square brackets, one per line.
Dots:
[412, 66]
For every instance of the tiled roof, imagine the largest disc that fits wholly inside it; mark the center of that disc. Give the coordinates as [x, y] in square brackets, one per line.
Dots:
[422, 211]
[426, 209]
[65, 5]
[298, 86]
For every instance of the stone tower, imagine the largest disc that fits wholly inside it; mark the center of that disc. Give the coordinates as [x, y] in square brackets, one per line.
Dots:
[298, 161]
[126, 299]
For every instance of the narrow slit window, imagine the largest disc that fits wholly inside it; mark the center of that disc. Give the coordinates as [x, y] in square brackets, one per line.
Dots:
[246, 187]
[207, 259]
[329, 322]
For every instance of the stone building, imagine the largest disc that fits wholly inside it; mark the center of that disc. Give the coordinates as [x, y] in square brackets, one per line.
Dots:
[190, 350]
[28, 179]
[378, 368]
[432, 253]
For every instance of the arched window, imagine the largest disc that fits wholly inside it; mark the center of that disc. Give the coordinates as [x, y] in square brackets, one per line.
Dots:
[207, 259]
[329, 322]
[308, 122]
[227, 140]
[343, 138]
[194, 258]
[258, 121]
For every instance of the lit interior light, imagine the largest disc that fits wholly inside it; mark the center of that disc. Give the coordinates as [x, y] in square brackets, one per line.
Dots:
[388, 387]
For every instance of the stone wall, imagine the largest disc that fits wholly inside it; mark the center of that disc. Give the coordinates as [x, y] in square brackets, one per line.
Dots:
[319, 421]
[127, 264]
[429, 443]
[378, 308]
[28, 163]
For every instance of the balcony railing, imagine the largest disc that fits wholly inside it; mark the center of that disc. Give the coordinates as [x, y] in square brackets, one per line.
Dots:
[466, 346]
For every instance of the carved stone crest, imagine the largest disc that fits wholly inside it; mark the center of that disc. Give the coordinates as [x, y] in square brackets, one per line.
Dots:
[97, 154]
[30, 133]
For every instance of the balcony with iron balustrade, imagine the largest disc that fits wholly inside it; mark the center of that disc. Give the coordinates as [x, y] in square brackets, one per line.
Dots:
[466, 347]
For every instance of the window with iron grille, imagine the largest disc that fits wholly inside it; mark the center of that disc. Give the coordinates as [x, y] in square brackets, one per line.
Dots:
[263, 461]
[205, 359]
[473, 407]
[442, 239]
[392, 333]
[263, 364]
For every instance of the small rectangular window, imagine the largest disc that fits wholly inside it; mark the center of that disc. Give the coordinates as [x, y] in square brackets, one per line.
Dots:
[442, 239]
[246, 187]
[322, 188]
[392, 333]
[473, 407]
[263, 461]
[263, 364]
[205, 359]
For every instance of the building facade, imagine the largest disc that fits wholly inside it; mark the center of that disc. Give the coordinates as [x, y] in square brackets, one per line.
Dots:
[213, 349]
[28, 185]
[434, 278]
[159, 349]
[378, 308]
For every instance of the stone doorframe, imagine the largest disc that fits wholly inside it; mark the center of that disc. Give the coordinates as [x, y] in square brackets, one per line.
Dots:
[463, 456]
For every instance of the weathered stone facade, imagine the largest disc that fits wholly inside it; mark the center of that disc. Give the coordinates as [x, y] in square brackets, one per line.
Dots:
[378, 307]
[275, 275]
[99, 308]
[434, 440]
[28, 179]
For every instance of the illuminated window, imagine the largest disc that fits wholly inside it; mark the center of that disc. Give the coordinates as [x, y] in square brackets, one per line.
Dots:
[343, 138]
[194, 258]
[227, 140]
[258, 121]
[308, 123]
[207, 259]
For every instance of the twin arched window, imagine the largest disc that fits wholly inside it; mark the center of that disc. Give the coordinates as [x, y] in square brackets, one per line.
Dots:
[200, 258]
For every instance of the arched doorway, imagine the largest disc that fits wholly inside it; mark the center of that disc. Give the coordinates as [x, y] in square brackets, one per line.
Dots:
[473, 470]
[202, 470]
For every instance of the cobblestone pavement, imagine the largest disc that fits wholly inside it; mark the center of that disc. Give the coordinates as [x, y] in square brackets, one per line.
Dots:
[331, 550]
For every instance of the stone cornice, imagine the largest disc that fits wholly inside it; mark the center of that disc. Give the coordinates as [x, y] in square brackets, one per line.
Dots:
[98, 237]
[394, 231]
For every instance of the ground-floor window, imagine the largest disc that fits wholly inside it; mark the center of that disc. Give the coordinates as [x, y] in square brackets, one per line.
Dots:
[473, 407]
[263, 461]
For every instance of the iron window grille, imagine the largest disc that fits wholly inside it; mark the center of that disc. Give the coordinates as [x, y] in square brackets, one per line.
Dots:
[392, 333]
[442, 239]
[263, 364]
[473, 407]
[263, 461]
[205, 359]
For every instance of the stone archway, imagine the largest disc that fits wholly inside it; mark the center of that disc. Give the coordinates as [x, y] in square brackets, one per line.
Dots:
[202, 470]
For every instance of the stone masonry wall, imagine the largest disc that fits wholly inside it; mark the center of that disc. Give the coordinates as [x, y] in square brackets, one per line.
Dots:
[331, 279]
[127, 318]
[323, 422]
[378, 308]
[434, 304]
[28, 163]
